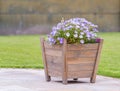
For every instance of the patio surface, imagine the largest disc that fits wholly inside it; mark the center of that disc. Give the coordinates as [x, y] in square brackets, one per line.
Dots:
[33, 80]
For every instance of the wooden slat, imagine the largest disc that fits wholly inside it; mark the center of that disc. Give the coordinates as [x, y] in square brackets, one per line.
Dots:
[52, 52]
[93, 78]
[44, 60]
[54, 66]
[54, 59]
[80, 67]
[83, 53]
[80, 74]
[80, 60]
[54, 69]
[54, 73]
[47, 45]
[82, 46]
[65, 66]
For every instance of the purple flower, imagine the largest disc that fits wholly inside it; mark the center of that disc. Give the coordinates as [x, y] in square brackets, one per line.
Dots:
[88, 35]
[98, 40]
[54, 28]
[53, 33]
[68, 27]
[61, 40]
[60, 26]
[95, 30]
[82, 25]
[93, 35]
[75, 28]
[51, 40]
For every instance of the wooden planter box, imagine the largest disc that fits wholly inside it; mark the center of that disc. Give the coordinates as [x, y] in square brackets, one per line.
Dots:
[71, 60]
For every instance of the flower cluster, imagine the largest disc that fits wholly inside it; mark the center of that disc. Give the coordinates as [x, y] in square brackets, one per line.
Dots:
[75, 30]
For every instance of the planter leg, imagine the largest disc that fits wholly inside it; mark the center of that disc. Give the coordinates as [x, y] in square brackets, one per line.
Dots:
[48, 78]
[92, 79]
[65, 81]
[75, 79]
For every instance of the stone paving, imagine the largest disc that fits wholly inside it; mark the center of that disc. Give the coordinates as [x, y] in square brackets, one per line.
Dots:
[33, 80]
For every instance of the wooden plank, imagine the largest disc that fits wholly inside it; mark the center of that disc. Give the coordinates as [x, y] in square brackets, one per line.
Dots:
[82, 46]
[80, 67]
[80, 60]
[44, 60]
[58, 47]
[65, 68]
[83, 53]
[54, 59]
[93, 78]
[90, 63]
[52, 52]
[55, 66]
[54, 73]
[79, 74]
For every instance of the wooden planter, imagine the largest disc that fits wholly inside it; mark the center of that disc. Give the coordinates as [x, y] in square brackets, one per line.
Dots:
[71, 60]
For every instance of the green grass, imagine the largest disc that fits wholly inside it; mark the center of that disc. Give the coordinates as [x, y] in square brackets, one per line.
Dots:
[20, 52]
[25, 52]
[110, 57]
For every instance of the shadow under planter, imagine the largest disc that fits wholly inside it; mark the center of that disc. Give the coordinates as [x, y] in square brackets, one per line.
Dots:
[71, 60]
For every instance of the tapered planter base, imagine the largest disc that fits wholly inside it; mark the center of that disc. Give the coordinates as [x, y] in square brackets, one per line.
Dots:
[71, 60]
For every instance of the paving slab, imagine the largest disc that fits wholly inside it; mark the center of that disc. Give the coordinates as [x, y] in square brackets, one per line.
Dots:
[34, 80]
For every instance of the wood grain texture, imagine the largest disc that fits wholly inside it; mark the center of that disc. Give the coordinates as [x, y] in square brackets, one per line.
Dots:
[44, 60]
[54, 47]
[71, 60]
[54, 59]
[55, 66]
[54, 73]
[80, 60]
[82, 46]
[52, 52]
[93, 78]
[80, 67]
[79, 74]
[65, 66]
[81, 53]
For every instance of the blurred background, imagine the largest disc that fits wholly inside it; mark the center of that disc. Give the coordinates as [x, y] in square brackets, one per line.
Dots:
[38, 16]
[27, 17]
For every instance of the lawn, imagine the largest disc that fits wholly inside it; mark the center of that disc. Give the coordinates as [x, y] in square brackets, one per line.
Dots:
[20, 52]
[25, 52]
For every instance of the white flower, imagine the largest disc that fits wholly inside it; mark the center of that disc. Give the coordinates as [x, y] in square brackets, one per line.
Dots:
[82, 41]
[82, 33]
[95, 34]
[75, 32]
[77, 27]
[67, 34]
[75, 35]
[80, 36]
[88, 38]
